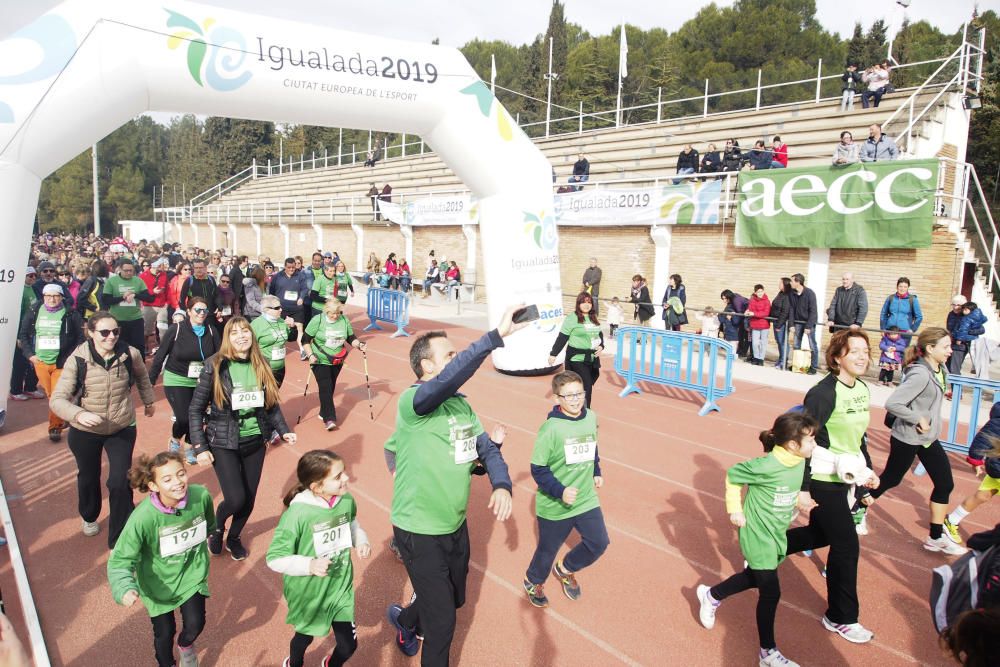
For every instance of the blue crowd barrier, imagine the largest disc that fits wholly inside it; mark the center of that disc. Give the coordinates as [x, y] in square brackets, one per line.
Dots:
[388, 305]
[959, 383]
[675, 359]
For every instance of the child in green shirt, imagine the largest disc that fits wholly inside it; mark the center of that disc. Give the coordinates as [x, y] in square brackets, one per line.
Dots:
[773, 482]
[312, 549]
[566, 467]
[161, 557]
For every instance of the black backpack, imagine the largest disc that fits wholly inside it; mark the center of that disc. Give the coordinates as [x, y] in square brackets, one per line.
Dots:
[971, 582]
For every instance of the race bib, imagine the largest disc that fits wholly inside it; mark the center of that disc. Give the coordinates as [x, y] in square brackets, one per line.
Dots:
[244, 400]
[341, 291]
[226, 311]
[277, 353]
[195, 368]
[330, 539]
[291, 295]
[580, 450]
[48, 343]
[176, 540]
[594, 342]
[464, 441]
[333, 341]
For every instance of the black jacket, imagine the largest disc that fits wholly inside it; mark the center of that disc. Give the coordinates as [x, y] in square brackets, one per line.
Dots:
[204, 288]
[70, 335]
[850, 80]
[711, 162]
[181, 344]
[687, 160]
[780, 310]
[223, 425]
[732, 160]
[804, 308]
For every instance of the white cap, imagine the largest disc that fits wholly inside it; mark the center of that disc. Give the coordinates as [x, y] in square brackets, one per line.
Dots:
[52, 288]
[958, 300]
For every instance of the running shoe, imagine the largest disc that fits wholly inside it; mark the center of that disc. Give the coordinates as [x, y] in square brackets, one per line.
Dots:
[215, 542]
[55, 434]
[329, 424]
[36, 394]
[536, 594]
[773, 658]
[417, 631]
[236, 549]
[861, 527]
[951, 530]
[852, 632]
[707, 607]
[325, 662]
[944, 545]
[20, 397]
[568, 580]
[173, 445]
[91, 528]
[406, 640]
[189, 456]
[275, 439]
[188, 657]
[302, 355]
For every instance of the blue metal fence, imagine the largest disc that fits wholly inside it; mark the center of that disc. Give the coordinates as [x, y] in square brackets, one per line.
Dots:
[388, 305]
[675, 359]
[959, 383]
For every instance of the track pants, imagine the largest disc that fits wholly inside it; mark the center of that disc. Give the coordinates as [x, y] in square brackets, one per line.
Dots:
[768, 595]
[165, 627]
[239, 474]
[86, 448]
[593, 543]
[134, 333]
[344, 632]
[326, 384]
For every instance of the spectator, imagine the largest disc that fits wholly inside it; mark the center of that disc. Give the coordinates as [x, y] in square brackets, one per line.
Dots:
[640, 297]
[592, 283]
[373, 196]
[781, 308]
[687, 162]
[732, 157]
[615, 316]
[846, 152]
[758, 311]
[709, 323]
[851, 79]
[371, 158]
[879, 146]
[849, 306]
[452, 279]
[581, 171]
[405, 279]
[893, 346]
[958, 351]
[760, 157]
[372, 270]
[391, 272]
[254, 289]
[672, 319]
[970, 327]
[386, 195]
[876, 77]
[902, 310]
[432, 276]
[804, 317]
[711, 160]
[779, 152]
[735, 325]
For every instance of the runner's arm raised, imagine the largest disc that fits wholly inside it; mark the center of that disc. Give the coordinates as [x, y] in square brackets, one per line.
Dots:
[431, 394]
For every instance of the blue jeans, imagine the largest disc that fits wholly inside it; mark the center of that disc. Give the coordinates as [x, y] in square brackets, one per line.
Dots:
[780, 333]
[551, 535]
[685, 170]
[871, 95]
[777, 165]
[799, 330]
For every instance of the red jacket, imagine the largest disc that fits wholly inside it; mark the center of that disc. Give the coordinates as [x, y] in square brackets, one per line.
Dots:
[760, 307]
[152, 282]
[174, 293]
[781, 154]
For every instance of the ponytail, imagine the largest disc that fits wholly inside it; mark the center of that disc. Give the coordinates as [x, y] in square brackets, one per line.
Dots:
[313, 467]
[929, 336]
[144, 470]
[788, 427]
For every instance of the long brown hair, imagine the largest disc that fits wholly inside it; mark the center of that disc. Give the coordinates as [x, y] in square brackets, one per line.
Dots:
[580, 298]
[929, 336]
[261, 368]
[313, 467]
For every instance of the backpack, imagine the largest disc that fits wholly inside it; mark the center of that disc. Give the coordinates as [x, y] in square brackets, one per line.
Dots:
[971, 582]
[79, 389]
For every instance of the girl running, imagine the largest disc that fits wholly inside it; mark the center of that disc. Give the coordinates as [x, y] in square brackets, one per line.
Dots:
[984, 456]
[161, 558]
[238, 385]
[183, 349]
[772, 481]
[326, 339]
[312, 549]
[581, 334]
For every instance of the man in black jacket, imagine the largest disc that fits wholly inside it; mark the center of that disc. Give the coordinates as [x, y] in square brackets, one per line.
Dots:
[804, 315]
[239, 271]
[581, 171]
[687, 162]
[592, 282]
[203, 285]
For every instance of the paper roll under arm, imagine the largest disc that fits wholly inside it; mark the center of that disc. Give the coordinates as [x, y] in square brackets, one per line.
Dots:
[823, 461]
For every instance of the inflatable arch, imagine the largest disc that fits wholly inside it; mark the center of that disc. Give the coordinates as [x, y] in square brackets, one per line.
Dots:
[79, 71]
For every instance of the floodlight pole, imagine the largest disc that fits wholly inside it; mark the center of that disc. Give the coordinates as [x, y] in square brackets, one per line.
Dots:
[97, 194]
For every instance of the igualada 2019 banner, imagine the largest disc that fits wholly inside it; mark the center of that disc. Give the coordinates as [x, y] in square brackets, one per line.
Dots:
[865, 205]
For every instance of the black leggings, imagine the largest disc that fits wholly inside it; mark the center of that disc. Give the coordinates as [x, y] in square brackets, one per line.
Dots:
[769, 592]
[239, 474]
[134, 333]
[165, 627]
[279, 375]
[179, 399]
[344, 632]
[933, 457]
[326, 382]
[86, 448]
[588, 373]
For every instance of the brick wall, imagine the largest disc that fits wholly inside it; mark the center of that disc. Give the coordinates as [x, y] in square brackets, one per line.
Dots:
[621, 252]
[382, 240]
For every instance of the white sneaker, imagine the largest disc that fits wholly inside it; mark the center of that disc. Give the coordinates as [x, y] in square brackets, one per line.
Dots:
[862, 526]
[706, 612]
[852, 632]
[944, 545]
[38, 393]
[20, 397]
[91, 528]
[775, 659]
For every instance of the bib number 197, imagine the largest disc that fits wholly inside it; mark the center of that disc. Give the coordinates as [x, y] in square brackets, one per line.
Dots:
[178, 539]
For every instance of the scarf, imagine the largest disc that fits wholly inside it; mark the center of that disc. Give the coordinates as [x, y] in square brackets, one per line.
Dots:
[198, 329]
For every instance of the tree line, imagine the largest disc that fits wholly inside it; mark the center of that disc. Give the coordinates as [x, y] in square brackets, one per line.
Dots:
[144, 163]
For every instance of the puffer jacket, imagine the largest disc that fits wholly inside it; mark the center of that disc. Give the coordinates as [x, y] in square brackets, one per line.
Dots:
[981, 444]
[223, 425]
[970, 327]
[918, 395]
[106, 390]
[252, 296]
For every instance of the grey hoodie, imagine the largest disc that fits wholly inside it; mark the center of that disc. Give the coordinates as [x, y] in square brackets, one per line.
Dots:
[918, 395]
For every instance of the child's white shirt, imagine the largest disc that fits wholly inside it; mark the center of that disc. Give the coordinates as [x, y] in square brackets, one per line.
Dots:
[709, 325]
[298, 565]
[615, 315]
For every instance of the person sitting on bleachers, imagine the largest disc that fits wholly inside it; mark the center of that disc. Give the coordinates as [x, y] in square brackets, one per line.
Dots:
[846, 151]
[760, 157]
[687, 162]
[879, 146]
[452, 280]
[371, 159]
[405, 279]
[877, 78]
[779, 153]
[581, 171]
[711, 160]
[372, 270]
[432, 277]
[732, 157]
[390, 278]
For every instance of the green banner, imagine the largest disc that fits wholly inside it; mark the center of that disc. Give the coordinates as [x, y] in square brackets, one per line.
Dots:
[867, 205]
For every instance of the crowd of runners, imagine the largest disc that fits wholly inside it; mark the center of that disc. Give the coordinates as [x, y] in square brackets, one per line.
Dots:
[222, 375]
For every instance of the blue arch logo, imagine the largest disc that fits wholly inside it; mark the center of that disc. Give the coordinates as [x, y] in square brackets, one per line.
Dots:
[54, 35]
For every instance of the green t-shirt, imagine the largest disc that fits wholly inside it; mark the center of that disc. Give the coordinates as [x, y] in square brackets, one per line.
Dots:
[344, 284]
[586, 336]
[116, 286]
[271, 336]
[247, 396]
[164, 556]
[328, 337]
[28, 299]
[567, 447]
[307, 529]
[326, 288]
[47, 327]
[772, 492]
[435, 455]
[848, 421]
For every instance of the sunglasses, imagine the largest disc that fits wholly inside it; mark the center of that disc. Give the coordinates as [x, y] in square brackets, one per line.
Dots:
[105, 333]
[272, 307]
[63, 274]
[200, 311]
[223, 282]
[48, 270]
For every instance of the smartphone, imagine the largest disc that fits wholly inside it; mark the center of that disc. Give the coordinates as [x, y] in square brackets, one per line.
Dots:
[526, 314]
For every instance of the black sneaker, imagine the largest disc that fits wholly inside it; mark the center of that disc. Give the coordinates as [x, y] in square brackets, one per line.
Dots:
[55, 435]
[536, 594]
[236, 549]
[568, 580]
[406, 640]
[215, 542]
[811, 371]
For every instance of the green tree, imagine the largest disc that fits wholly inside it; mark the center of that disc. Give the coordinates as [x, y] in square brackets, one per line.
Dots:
[126, 199]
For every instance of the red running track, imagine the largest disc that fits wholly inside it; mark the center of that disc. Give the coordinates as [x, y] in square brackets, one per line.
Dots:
[663, 500]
